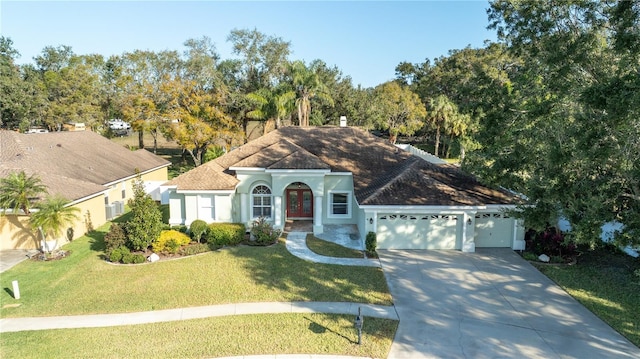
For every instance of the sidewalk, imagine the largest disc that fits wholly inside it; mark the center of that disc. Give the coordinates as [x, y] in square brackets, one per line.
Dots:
[297, 245]
[110, 320]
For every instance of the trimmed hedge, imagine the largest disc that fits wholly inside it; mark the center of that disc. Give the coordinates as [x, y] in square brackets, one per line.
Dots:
[225, 234]
[170, 241]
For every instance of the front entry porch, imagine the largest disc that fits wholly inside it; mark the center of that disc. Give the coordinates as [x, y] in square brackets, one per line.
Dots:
[346, 235]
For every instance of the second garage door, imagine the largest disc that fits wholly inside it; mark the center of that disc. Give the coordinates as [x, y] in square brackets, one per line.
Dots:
[400, 231]
[493, 230]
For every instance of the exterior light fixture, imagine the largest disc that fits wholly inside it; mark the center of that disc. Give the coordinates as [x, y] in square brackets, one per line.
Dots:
[469, 221]
[370, 220]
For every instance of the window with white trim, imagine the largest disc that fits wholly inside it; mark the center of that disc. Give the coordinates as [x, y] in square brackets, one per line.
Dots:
[261, 202]
[340, 204]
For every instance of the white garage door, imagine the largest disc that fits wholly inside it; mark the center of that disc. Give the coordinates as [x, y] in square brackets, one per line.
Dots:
[493, 230]
[400, 231]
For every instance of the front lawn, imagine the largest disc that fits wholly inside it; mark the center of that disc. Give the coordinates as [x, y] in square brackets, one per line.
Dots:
[210, 337]
[86, 284]
[605, 283]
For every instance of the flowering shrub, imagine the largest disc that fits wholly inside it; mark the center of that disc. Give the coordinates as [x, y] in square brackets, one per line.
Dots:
[262, 232]
[550, 242]
[170, 241]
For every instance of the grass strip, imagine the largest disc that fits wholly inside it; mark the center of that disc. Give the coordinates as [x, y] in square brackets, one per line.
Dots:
[329, 249]
[84, 283]
[210, 337]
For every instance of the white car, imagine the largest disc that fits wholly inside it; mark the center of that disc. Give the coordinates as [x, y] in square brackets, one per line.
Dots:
[118, 124]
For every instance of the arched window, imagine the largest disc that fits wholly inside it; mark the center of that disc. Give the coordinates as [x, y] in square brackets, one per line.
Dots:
[261, 201]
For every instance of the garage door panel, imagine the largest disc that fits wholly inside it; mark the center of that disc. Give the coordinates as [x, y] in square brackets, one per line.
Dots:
[417, 231]
[493, 230]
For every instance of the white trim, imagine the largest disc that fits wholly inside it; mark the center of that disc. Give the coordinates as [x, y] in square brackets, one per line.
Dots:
[193, 191]
[298, 172]
[247, 169]
[82, 199]
[433, 209]
[340, 174]
[136, 175]
[349, 204]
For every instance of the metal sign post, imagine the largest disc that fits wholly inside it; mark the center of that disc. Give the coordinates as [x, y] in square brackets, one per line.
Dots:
[358, 324]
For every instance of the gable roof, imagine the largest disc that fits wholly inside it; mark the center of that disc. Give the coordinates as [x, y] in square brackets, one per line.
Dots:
[74, 164]
[382, 173]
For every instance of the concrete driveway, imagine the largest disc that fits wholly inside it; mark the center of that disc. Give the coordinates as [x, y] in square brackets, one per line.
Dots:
[489, 304]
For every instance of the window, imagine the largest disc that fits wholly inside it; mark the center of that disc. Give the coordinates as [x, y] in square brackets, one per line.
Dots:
[206, 211]
[261, 201]
[340, 204]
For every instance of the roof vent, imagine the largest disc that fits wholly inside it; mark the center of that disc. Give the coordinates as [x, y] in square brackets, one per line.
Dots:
[59, 145]
[343, 121]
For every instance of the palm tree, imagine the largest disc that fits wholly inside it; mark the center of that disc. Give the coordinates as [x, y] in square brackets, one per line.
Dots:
[18, 191]
[440, 112]
[272, 104]
[307, 85]
[53, 215]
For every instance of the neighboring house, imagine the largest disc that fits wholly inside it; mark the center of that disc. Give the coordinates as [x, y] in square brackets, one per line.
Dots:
[344, 175]
[92, 172]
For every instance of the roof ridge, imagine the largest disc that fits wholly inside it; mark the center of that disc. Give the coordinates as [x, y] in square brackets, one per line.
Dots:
[395, 176]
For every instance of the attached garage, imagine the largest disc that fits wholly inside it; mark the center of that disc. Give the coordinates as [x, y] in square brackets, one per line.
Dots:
[493, 230]
[417, 231]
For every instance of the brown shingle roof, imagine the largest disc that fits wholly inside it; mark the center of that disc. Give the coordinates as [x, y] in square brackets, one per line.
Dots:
[382, 173]
[72, 164]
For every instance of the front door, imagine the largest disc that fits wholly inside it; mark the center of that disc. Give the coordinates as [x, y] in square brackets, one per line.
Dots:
[299, 203]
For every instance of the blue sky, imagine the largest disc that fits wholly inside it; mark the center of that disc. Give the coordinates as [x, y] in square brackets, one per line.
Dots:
[364, 39]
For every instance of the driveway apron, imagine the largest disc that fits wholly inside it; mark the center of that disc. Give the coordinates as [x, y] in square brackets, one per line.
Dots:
[489, 304]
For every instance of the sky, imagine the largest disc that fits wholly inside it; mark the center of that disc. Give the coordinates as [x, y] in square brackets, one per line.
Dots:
[366, 40]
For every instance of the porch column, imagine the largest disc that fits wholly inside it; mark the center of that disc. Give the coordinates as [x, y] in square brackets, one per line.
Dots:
[317, 215]
[277, 203]
[245, 207]
[468, 231]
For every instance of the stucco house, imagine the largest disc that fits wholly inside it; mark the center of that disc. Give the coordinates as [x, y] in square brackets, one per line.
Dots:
[344, 175]
[92, 172]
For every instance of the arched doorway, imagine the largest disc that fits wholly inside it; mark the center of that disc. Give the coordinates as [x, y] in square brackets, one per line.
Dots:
[299, 199]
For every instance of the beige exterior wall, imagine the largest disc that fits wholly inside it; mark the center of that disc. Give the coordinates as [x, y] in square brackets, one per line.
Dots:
[16, 233]
[115, 190]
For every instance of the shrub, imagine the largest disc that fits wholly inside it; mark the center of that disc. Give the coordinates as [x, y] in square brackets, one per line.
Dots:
[262, 232]
[194, 249]
[118, 253]
[145, 224]
[170, 241]
[127, 258]
[179, 227]
[197, 229]
[550, 242]
[138, 258]
[371, 242]
[116, 237]
[225, 234]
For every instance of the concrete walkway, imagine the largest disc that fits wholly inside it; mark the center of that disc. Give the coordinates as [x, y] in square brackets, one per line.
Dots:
[297, 245]
[169, 315]
[11, 257]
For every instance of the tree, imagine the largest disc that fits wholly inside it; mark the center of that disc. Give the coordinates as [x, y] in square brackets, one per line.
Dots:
[19, 190]
[14, 104]
[308, 85]
[272, 105]
[577, 121]
[52, 217]
[145, 224]
[443, 115]
[399, 110]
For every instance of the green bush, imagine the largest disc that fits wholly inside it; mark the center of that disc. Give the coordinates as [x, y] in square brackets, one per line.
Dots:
[371, 242]
[127, 258]
[262, 232]
[179, 227]
[195, 249]
[170, 241]
[197, 229]
[117, 254]
[225, 234]
[138, 258]
[145, 223]
[116, 237]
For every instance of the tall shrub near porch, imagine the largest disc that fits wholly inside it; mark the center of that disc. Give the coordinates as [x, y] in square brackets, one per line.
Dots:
[145, 224]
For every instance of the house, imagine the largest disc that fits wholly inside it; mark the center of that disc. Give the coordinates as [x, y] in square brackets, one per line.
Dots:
[344, 175]
[92, 172]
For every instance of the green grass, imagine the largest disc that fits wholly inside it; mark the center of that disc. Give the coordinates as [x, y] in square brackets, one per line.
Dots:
[211, 337]
[84, 283]
[603, 281]
[329, 249]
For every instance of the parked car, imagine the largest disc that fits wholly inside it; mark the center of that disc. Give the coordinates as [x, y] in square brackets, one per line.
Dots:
[37, 130]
